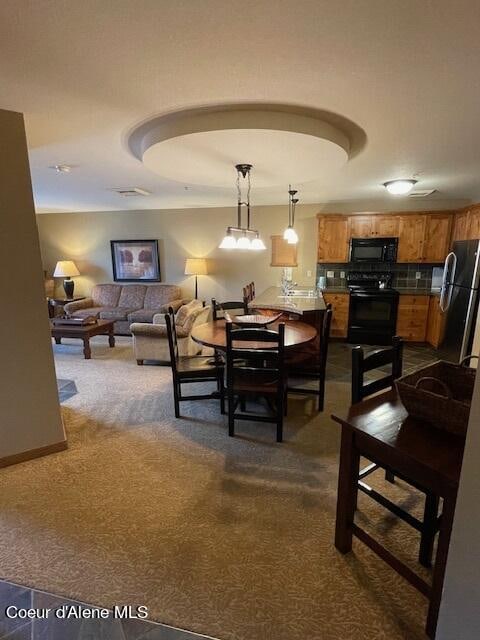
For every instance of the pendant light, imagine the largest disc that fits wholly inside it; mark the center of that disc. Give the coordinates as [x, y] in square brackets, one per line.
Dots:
[290, 235]
[230, 241]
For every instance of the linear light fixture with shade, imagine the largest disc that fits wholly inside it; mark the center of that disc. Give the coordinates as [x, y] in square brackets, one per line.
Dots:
[66, 269]
[230, 241]
[196, 267]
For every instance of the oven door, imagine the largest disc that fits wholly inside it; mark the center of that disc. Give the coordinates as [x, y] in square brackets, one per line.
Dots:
[367, 250]
[372, 317]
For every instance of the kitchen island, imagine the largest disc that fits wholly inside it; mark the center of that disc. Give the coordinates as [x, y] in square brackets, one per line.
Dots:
[306, 303]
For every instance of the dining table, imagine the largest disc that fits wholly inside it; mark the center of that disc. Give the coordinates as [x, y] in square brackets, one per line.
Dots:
[213, 334]
[381, 430]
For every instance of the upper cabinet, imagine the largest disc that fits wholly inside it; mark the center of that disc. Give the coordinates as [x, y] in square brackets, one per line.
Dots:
[437, 237]
[466, 225]
[333, 238]
[423, 237]
[411, 237]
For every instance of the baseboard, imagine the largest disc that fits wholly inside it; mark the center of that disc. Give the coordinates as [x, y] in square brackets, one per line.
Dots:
[33, 453]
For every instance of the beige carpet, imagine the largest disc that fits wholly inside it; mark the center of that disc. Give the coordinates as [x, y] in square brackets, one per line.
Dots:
[227, 537]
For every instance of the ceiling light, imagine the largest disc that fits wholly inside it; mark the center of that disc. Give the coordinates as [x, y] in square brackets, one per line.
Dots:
[243, 242]
[229, 241]
[290, 235]
[399, 187]
[257, 244]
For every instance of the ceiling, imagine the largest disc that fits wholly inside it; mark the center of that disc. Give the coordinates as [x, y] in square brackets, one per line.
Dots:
[86, 74]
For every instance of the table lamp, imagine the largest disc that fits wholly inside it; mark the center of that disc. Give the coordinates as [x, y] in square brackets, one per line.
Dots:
[66, 269]
[196, 267]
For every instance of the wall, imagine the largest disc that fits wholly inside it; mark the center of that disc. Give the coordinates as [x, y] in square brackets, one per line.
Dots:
[459, 617]
[28, 379]
[85, 238]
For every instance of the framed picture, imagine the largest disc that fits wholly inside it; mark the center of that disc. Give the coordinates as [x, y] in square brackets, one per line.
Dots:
[135, 260]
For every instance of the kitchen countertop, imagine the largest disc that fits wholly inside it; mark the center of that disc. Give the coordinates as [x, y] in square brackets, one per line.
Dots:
[407, 292]
[272, 298]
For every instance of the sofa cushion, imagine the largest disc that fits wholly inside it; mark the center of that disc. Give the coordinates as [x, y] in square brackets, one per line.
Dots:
[132, 296]
[106, 295]
[142, 315]
[89, 311]
[114, 313]
[157, 295]
[185, 310]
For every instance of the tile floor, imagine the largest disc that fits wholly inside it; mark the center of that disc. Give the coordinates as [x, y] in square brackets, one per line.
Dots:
[54, 628]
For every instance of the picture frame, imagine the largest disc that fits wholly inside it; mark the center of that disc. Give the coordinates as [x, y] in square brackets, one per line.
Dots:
[135, 260]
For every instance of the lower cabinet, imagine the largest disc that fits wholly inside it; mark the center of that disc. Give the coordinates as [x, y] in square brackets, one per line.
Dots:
[412, 317]
[435, 323]
[339, 302]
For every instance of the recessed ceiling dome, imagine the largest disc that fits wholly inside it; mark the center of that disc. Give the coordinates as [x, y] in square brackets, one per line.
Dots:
[202, 146]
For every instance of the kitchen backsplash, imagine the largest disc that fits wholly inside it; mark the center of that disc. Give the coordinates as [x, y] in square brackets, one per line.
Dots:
[403, 275]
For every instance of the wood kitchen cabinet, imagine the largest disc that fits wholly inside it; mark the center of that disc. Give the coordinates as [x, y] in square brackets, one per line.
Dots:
[411, 237]
[333, 238]
[412, 317]
[372, 226]
[340, 303]
[435, 322]
[460, 226]
[473, 230]
[437, 237]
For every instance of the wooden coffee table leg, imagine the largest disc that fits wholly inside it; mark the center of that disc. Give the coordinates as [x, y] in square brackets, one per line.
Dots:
[111, 338]
[347, 491]
[86, 348]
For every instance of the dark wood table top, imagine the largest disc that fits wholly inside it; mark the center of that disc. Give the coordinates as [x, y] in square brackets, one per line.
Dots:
[384, 419]
[101, 326]
[213, 334]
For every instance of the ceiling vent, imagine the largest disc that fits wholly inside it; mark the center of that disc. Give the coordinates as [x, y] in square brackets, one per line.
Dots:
[421, 193]
[131, 192]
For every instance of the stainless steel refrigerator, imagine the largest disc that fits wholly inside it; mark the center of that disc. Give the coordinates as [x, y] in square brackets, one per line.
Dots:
[459, 298]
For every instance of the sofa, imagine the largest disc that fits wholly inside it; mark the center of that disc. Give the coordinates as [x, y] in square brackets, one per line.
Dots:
[150, 341]
[127, 303]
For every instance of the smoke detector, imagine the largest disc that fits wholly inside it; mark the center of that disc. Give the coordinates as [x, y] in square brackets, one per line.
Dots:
[421, 193]
[131, 192]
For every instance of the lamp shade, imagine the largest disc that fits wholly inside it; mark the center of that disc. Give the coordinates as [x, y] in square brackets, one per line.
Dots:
[66, 269]
[196, 267]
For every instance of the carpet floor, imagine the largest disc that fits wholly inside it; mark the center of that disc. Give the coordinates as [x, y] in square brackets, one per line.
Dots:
[230, 537]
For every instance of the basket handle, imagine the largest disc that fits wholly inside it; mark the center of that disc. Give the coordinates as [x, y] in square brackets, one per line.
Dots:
[446, 390]
[467, 359]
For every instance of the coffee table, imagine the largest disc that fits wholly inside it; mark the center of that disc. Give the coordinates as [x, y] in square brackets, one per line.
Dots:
[84, 332]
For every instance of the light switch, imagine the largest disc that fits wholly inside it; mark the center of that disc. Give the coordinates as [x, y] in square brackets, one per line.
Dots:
[309, 274]
[342, 275]
[330, 274]
[418, 275]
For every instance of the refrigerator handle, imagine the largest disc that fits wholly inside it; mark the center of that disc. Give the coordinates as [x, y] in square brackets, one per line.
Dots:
[447, 289]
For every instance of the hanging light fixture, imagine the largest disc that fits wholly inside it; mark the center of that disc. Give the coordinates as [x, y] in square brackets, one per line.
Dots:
[230, 241]
[290, 235]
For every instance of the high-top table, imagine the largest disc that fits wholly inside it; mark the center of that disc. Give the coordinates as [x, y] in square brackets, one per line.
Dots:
[381, 430]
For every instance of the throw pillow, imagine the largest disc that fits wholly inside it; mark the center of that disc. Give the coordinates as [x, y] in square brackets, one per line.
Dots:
[185, 310]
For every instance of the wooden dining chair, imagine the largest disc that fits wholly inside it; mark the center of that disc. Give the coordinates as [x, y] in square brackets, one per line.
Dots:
[391, 359]
[219, 307]
[190, 369]
[256, 373]
[310, 360]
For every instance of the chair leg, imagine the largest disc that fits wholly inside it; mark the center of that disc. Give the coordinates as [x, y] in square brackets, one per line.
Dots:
[231, 412]
[321, 394]
[390, 477]
[222, 397]
[243, 404]
[176, 399]
[280, 411]
[429, 530]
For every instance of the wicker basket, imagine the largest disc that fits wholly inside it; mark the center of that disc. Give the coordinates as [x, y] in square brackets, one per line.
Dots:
[440, 394]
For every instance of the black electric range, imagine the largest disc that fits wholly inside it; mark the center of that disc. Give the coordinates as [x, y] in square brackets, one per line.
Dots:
[373, 309]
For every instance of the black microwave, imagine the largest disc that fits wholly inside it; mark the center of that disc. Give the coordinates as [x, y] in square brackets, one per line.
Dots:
[373, 249]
